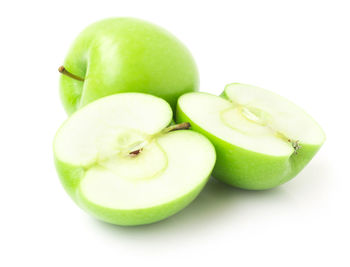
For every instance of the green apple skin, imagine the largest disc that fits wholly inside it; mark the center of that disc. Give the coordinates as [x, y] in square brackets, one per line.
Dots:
[249, 170]
[141, 216]
[70, 177]
[126, 55]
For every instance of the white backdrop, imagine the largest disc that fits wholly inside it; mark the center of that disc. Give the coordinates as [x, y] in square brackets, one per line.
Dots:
[299, 49]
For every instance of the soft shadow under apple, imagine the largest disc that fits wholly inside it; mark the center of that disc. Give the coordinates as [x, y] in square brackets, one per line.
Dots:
[216, 202]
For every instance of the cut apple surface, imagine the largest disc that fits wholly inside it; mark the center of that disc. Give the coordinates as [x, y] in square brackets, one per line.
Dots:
[262, 139]
[119, 161]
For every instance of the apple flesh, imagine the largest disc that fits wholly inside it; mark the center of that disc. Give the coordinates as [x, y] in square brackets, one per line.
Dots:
[120, 162]
[126, 55]
[261, 139]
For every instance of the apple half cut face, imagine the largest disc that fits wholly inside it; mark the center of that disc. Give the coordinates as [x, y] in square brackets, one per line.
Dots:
[121, 162]
[261, 139]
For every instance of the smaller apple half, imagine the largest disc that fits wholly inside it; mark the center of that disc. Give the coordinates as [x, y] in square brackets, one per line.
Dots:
[119, 159]
[262, 140]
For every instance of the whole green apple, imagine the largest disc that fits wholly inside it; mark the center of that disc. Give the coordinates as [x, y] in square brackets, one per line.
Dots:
[126, 55]
[261, 139]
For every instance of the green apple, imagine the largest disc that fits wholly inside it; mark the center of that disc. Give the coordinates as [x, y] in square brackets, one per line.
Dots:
[126, 55]
[261, 139]
[121, 162]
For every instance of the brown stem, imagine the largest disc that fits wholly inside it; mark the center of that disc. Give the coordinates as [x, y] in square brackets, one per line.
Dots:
[63, 70]
[180, 126]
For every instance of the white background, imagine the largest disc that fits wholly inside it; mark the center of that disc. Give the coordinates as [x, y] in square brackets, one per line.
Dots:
[299, 49]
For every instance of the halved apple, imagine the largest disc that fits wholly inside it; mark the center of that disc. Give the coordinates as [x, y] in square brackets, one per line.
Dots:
[119, 161]
[261, 139]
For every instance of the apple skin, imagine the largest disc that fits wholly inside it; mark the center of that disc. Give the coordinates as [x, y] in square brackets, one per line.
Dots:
[126, 55]
[140, 216]
[70, 177]
[249, 170]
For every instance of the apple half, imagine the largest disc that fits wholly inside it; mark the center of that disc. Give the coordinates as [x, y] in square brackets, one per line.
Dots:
[261, 139]
[119, 159]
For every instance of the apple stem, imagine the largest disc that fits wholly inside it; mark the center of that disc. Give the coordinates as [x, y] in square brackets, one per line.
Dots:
[63, 70]
[180, 126]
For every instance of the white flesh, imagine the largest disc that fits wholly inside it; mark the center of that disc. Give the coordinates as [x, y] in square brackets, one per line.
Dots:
[254, 119]
[101, 136]
[190, 158]
[110, 125]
